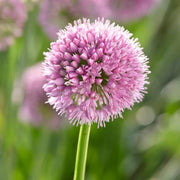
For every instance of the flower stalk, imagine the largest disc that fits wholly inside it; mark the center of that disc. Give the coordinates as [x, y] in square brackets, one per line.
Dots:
[81, 154]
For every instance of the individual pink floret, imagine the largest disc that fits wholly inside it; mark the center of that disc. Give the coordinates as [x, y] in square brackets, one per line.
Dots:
[94, 71]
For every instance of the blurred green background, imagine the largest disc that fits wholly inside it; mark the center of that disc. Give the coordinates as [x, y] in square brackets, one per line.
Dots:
[144, 145]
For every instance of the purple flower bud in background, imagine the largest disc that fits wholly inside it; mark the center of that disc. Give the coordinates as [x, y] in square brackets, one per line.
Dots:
[33, 108]
[102, 75]
[12, 18]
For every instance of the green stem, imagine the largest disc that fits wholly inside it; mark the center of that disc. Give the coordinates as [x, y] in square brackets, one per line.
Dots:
[81, 154]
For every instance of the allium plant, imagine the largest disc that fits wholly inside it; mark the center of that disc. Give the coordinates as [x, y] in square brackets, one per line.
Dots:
[12, 18]
[93, 72]
[33, 108]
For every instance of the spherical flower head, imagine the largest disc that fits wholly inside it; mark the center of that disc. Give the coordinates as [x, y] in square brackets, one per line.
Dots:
[33, 108]
[94, 71]
[54, 14]
[12, 18]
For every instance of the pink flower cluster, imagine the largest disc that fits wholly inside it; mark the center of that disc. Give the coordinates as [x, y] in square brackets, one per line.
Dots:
[33, 108]
[94, 71]
[12, 18]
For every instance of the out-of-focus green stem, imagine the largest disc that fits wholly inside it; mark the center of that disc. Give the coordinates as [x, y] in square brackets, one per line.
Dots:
[81, 154]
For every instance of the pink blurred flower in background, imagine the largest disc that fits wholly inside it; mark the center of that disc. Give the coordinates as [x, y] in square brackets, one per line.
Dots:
[33, 108]
[94, 71]
[119, 10]
[90, 8]
[128, 10]
[54, 14]
[12, 18]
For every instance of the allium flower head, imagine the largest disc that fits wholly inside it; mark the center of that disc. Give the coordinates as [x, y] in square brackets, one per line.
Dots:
[94, 71]
[12, 18]
[34, 109]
